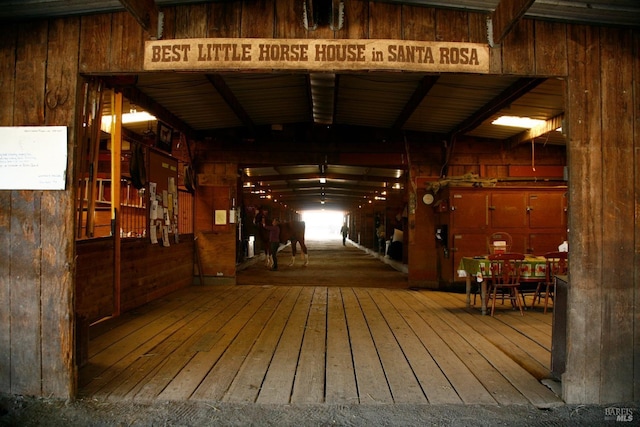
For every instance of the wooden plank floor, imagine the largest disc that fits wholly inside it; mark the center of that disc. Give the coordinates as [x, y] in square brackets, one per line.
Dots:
[282, 344]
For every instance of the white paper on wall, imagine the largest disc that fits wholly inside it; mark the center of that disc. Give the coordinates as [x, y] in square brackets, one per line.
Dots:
[33, 157]
[165, 236]
[153, 233]
[153, 214]
[152, 190]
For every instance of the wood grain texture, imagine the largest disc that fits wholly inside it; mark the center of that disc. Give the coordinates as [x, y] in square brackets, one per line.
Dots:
[254, 343]
[385, 21]
[599, 62]
[258, 18]
[288, 21]
[95, 43]
[618, 216]
[7, 72]
[191, 22]
[356, 25]
[25, 230]
[224, 19]
[7, 87]
[518, 49]
[418, 23]
[551, 48]
[581, 381]
[126, 40]
[636, 186]
[452, 25]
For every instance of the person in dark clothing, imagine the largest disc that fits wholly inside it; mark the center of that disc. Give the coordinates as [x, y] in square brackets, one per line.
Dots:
[344, 230]
[274, 240]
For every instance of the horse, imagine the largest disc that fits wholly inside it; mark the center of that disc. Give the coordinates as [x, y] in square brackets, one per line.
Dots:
[289, 232]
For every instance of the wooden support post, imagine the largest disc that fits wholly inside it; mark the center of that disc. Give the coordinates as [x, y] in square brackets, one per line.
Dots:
[116, 149]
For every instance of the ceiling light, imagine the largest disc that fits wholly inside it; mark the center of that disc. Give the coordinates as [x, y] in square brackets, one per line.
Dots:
[323, 180]
[135, 117]
[517, 122]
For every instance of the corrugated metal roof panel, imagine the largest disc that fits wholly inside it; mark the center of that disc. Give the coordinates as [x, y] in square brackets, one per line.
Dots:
[272, 98]
[176, 92]
[543, 103]
[374, 99]
[453, 99]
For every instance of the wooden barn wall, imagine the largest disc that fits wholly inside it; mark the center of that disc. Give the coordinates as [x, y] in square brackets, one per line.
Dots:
[150, 271]
[94, 279]
[216, 239]
[38, 87]
[41, 59]
[603, 103]
[147, 272]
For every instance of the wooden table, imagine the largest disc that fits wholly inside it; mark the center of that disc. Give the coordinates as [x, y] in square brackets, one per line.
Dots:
[533, 270]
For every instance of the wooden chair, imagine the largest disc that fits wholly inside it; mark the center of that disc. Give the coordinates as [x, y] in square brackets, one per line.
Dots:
[504, 270]
[556, 264]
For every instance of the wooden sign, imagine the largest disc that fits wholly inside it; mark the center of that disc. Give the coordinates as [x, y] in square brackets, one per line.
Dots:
[315, 55]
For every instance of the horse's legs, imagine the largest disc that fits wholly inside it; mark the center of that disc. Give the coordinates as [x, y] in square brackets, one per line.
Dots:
[293, 252]
[305, 254]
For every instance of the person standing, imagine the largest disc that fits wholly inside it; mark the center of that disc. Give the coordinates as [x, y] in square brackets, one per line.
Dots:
[344, 230]
[274, 240]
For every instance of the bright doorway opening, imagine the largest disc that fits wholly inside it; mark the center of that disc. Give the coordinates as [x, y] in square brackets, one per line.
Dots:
[323, 224]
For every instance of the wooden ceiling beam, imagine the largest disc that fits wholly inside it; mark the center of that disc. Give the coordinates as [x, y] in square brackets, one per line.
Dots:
[424, 86]
[513, 92]
[297, 196]
[146, 13]
[548, 126]
[506, 14]
[225, 92]
[350, 177]
[295, 186]
[135, 96]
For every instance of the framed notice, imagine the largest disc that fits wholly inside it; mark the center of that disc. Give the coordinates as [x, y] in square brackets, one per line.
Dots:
[33, 157]
[165, 137]
[220, 217]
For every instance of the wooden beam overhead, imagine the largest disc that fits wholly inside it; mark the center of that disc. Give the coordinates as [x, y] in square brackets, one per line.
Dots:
[137, 97]
[146, 13]
[418, 95]
[225, 92]
[328, 187]
[329, 176]
[501, 101]
[548, 126]
[506, 14]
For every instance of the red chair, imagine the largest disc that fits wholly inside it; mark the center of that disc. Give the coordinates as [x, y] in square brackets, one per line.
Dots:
[504, 275]
[556, 265]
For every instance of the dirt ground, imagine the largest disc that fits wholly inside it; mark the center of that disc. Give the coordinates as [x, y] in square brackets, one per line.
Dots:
[23, 411]
[27, 411]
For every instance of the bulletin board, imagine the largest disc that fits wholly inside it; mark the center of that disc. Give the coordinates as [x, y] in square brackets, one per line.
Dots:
[163, 198]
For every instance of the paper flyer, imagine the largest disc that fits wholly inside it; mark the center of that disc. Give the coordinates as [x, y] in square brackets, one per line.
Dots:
[152, 190]
[220, 217]
[153, 214]
[165, 236]
[153, 233]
